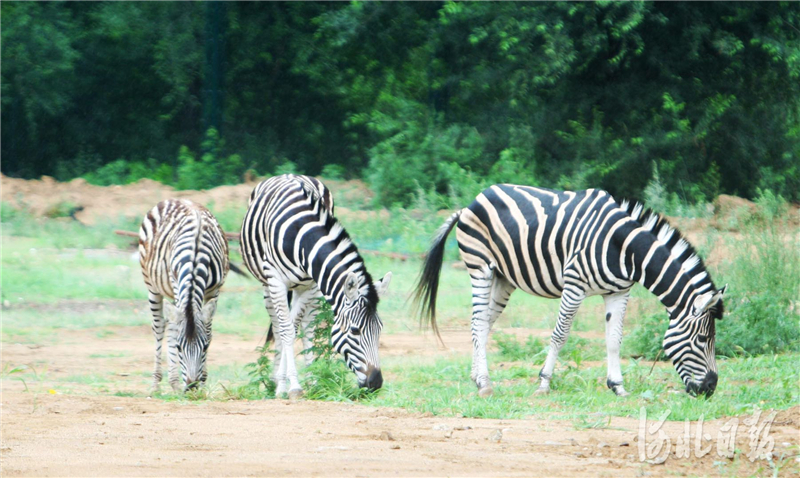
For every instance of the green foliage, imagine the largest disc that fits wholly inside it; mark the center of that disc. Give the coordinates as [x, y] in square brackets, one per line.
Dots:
[434, 99]
[646, 339]
[212, 169]
[287, 167]
[61, 209]
[328, 378]
[333, 171]
[761, 308]
[321, 346]
[533, 350]
[126, 172]
[260, 385]
[659, 200]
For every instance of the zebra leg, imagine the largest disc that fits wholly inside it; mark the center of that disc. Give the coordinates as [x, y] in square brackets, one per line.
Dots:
[173, 363]
[276, 375]
[157, 309]
[571, 299]
[615, 314]
[209, 309]
[490, 295]
[286, 331]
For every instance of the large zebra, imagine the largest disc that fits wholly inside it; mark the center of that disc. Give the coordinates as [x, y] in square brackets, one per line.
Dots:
[292, 243]
[184, 257]
[573, 245]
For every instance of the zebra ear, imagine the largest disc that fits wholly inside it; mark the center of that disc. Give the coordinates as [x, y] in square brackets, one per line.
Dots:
[383, 284]
[707, 300]
[351, 286]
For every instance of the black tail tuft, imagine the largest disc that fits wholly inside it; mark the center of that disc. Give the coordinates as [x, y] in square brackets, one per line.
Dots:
[270, 336]
[425, 293]
[237, 270]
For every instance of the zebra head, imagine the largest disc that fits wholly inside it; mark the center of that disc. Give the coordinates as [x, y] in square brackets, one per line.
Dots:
[194, 337]
[689, 341]
[357, 328]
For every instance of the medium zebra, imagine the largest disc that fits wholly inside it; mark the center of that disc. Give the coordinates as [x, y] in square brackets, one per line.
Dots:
[573, 245]
[184, 257]
[292, 243]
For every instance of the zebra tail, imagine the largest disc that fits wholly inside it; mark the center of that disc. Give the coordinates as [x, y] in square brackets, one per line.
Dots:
[425, 293]
[270, 336]
[234, 268]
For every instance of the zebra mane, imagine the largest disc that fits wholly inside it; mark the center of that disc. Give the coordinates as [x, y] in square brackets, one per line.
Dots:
[332, 224]
[680, 249]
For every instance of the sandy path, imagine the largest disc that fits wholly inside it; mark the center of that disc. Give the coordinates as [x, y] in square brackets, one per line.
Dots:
[86, 433]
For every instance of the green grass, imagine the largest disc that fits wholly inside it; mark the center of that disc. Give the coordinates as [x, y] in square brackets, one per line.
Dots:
[52, 286]
[444, 388]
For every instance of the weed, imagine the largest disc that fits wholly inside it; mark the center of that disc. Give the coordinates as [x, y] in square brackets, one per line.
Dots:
[327, 378]
[260, 384]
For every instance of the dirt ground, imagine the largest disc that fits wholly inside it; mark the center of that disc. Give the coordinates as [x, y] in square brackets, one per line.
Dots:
[86, 433]
[97, 202]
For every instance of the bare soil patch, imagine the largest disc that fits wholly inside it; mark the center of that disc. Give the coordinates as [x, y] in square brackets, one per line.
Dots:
[86, 432]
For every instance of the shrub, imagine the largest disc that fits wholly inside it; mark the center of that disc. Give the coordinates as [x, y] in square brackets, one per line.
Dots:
[328, 378]
[212, 169]
[287, 167]
[333, 171]
[761, 308]
[258, 372]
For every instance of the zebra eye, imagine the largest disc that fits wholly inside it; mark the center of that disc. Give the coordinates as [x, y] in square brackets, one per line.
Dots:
[702, 338]
[355, 331]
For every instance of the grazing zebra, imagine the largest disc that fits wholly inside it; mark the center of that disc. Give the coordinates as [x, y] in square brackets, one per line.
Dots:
[573, 245]
[292, 243]
[184, 256]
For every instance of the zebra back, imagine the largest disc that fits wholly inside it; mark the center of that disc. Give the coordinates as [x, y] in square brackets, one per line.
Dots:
[184, 255]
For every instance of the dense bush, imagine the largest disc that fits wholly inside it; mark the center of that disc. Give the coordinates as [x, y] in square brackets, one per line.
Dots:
[762, 306]
[437, 97]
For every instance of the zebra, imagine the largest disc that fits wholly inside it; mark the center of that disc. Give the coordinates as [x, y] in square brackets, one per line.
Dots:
[184, 257]
[572, 245]
[291, 241]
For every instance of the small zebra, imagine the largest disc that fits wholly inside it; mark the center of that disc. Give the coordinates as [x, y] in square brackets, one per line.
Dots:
[573, 245]
[184, 257]
[293, 244]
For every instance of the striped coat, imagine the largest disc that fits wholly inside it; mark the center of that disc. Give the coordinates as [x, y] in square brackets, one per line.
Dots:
[292, 243]
[571, 245]
[183, 254]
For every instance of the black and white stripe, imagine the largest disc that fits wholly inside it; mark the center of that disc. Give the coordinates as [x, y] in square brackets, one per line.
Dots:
[184, 257]
[292, 242]
[573, 245]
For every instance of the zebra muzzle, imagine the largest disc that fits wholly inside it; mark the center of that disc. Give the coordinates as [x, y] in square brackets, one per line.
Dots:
[374, 379]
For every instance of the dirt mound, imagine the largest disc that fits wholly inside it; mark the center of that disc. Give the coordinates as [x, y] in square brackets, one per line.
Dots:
[92, 203]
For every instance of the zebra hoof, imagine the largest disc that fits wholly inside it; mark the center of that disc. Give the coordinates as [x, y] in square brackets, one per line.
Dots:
[621, 392]
[295, 394]
[485, 392]
[541, 391]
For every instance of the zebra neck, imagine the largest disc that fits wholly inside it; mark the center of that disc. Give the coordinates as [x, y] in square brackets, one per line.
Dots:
[673, 281]
[330, 260]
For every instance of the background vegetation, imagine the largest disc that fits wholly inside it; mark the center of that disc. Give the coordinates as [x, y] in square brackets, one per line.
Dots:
[437, 97]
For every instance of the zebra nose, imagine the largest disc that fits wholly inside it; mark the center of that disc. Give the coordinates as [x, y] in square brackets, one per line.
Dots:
[709, 384]
[374, 378]
[706, 387]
